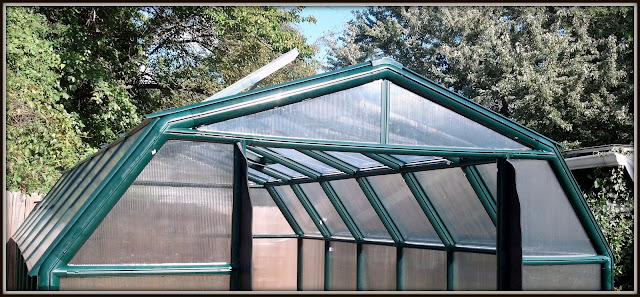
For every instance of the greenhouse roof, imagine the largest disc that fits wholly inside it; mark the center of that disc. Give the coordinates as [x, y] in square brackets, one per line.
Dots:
[372, 153]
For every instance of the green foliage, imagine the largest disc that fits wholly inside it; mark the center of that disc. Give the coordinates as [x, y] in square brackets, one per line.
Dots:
[609, 193]
[564, 71]
[79, 76]
[42, 138]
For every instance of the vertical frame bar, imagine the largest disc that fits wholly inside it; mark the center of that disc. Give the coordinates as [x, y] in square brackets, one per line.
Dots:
[400, 264]
[299, 266]
[385, 105]
[327, 265]
[509, 241]
[451, 273]
[360, 267]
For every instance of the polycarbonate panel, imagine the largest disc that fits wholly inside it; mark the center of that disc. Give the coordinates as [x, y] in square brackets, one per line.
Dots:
[168, 282]
[175, 222]
[489, 175]
[379, 273]
[360, 209]
[267, 217]
[424, 269]
[261, 175]
[349, 115]
[305, 160]
[574, 277]
[190, 162]
[458, 206]
[550, 226]
[342, 263]
[408, 159]
[326, 210]
[39, 241]
[274, 264]
[298, 212]
[286, 170]
[358, 160]
[312, 265]
[475, 271]
[50, 205]
[403, 208]
[414, 120]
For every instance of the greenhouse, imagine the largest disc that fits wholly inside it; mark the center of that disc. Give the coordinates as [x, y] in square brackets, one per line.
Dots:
[370, 177]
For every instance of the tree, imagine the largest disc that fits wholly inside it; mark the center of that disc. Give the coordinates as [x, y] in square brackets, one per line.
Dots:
[77, 77]
[42, 137]
[564, 71]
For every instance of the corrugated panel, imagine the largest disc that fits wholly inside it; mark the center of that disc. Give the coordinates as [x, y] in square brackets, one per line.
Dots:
[360, 209]
[475, 272]
[357, 160]
[343, 269]
[300, 215]
[403, 208]
[458, 205]
[312, 265]
[267, 217]
[178, 210]
[574, 277]
[349, 115]
[550, 226]
[379, 273]
[274, 264]
[305, 160]
[169, 282]
[424, 270]
[414, 120]
[326, 210]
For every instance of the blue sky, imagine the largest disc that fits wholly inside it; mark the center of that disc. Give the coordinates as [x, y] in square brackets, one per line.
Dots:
[328, 19]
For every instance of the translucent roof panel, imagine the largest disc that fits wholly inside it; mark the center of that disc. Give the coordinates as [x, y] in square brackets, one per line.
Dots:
[305, 160]
[326, 210]
[286, 170]
[360, 209]
[358, 160]
[414, 120]
[550, 226]
[298, 212]
[348, 115]
[409, 159]
[261, 175]
[403, 208]
[458, 206]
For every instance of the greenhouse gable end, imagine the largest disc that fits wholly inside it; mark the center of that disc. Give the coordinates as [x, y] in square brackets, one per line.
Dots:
[369, 177]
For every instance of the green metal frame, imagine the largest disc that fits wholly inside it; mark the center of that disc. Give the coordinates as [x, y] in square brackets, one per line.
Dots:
[179, 123]
[382, 213]
[482, 192]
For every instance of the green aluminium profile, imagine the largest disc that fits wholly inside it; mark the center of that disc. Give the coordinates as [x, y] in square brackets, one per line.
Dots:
[256, 179]
[386, 160]
[285, 211]
[285, 162]
[30, 246]
[564, 260]
[110, 190]
[358, 147]
[299, 264]
[451, 271]
[482, 192]
[270, 172]
[385, 111]
[377, 205]
[331, 161]
[342, 211]
[327, 265]
[589, 223]
[313, 213]
[111, 270]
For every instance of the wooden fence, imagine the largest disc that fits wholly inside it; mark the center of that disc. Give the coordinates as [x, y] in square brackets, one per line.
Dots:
[18, 208]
